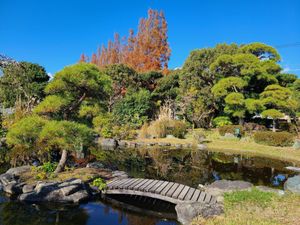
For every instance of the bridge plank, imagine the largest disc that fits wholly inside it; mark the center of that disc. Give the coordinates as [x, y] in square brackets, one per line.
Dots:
[145, 185]
[125, 184]
[195, 195]
[136, 187]
[167, 188]
[189, 195]
[184, 192]
[151, 185]
[207, 198]
[131, 185]
[113, 182]
[172, 190]
[157, 185]
[213, 200]
[114, 185]
[178, 191]
[162, 186]
[202, 197]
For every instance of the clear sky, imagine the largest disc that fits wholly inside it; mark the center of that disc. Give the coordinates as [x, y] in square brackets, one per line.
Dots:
[54, 33]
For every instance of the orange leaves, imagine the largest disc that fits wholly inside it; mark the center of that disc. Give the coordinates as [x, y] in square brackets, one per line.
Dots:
[148, 50]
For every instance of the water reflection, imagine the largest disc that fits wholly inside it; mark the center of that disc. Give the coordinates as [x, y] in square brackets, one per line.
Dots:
[192, 167]
[93, 213]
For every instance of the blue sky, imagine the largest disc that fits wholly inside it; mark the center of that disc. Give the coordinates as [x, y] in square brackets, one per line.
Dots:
[54, 33]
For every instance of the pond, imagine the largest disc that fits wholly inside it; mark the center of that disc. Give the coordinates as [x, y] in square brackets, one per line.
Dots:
[194, 167]
[186, 166]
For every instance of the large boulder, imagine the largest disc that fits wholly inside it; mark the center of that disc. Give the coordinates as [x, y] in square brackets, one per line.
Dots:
[108, 143]
[219, 187]
[10, 184]
[17, 171]
[293, 184]
[72, 191]
[187, 211]
[95, 165]
[118, 174]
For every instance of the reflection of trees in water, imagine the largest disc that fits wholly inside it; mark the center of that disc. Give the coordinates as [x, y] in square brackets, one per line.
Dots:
[17, 213]
[257, 170]
[178, 165]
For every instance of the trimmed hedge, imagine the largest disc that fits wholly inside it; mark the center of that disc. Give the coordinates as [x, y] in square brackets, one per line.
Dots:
[274, 138]
[230, 129]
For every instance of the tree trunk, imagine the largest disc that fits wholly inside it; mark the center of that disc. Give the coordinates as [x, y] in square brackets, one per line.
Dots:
[62, 162]
[241, 121]
[274, 126]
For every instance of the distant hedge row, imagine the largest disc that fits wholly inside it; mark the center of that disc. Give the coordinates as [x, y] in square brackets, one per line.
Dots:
[274, 138]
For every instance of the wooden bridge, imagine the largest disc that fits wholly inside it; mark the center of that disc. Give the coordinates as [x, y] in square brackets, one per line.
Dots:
[158, 189]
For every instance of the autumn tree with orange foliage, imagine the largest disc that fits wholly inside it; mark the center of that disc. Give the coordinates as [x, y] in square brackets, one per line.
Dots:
[148, 50]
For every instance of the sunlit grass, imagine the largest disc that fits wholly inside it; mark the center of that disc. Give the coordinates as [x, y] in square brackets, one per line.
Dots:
[256, 207]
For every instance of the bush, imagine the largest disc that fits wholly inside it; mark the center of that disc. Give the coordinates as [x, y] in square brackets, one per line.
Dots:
[48, 167]
[274, 138]
[221, 121]
[163, 127]
[99, 183]
[230, 129]
[199, 136]
[125, 132]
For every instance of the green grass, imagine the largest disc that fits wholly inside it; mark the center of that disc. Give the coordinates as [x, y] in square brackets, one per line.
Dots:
[250, 148]
[254, 196]
[256, 208]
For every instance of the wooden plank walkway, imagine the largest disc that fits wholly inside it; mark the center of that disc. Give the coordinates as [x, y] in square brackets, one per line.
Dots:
[158, 189]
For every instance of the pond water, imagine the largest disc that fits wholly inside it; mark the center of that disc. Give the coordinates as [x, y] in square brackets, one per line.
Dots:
[193, 167]
[92, 213]
[188, 167]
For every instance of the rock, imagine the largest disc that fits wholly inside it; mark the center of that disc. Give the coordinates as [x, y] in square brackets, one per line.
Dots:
[272, 190]
[229, 136]
[170, 136]
[28, 188]
[178, 146]
[229, 185]
[292, 168]
[164, 144]
[202, 147]
[73, 190]
[119, 174]
[296, 145]
[13, 188]
[17, 171]
[6, 178]
[108, 144]
[96, 165]
[293, 184]
[219, 187]
[122, 144]
[132, 145]
[187, 211]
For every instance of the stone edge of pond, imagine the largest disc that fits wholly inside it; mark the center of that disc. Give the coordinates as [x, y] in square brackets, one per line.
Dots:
[113, 144]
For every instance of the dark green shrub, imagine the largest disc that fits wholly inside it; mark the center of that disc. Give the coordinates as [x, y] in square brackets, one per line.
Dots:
[274, 138]
[221, 121]
[230, 129]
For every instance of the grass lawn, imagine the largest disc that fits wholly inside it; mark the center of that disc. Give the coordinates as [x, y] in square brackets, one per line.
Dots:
[256, 208]
[249, 147]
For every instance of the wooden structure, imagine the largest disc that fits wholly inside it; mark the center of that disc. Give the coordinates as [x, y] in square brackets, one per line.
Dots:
[158, 189]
